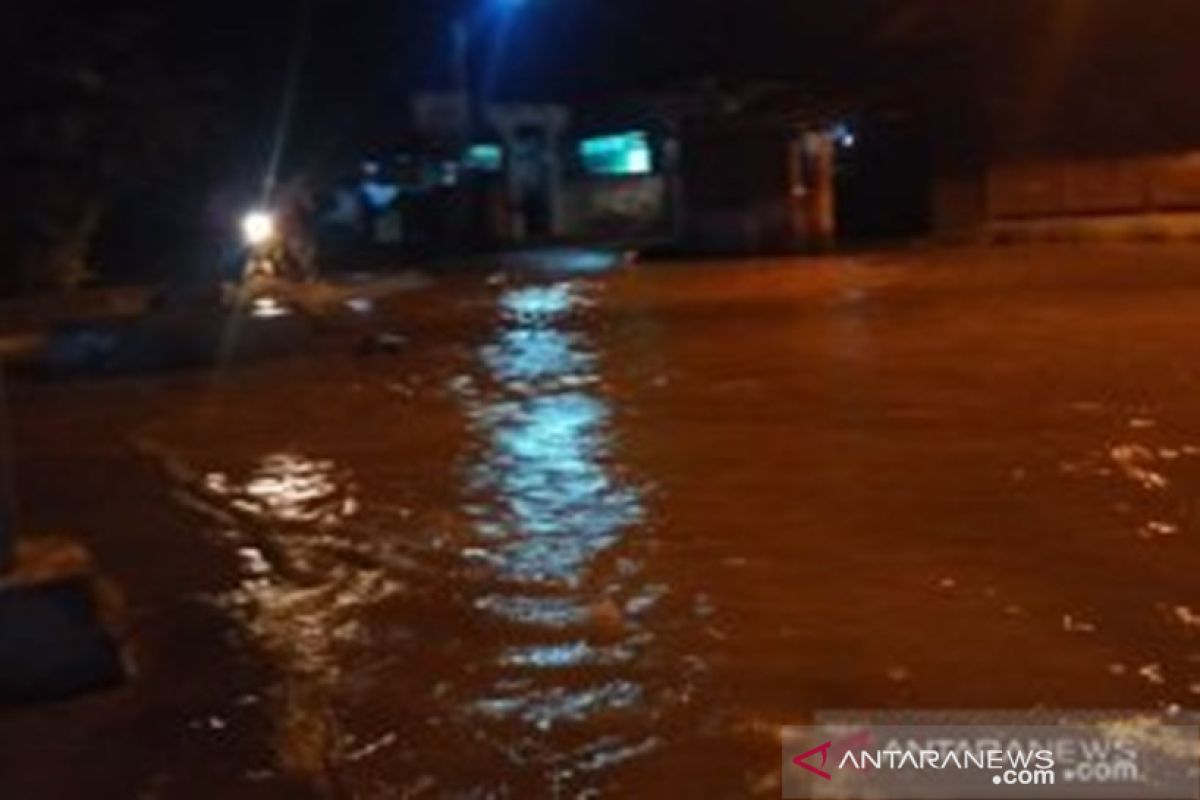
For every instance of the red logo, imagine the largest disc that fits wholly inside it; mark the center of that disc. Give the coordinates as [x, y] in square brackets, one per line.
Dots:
[859, 739]
[802, 760]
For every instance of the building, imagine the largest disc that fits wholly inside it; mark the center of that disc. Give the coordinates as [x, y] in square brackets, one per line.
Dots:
[752, 170]
[1058, 120]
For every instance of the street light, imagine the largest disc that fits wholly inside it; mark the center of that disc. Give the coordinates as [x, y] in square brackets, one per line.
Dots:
[505, 5]
[464, 28]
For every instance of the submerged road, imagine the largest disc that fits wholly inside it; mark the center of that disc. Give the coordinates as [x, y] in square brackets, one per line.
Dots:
[601, 534]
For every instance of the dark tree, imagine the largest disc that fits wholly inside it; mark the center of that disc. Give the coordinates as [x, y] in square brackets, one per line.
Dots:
[93, 111]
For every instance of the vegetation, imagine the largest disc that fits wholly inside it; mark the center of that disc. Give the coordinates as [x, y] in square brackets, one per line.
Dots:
[93, 112]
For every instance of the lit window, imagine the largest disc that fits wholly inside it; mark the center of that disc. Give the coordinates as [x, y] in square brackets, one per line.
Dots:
[485, 157]
[618, 154]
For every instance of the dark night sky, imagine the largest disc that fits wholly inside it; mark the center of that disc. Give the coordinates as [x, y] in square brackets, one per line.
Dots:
[564, 47]
[363, 57]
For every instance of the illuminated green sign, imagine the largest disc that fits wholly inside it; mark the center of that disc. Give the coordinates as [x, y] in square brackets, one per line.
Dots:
[617, 154]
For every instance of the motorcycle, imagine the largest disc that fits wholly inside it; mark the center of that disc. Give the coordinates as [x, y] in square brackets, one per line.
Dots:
[276, 268]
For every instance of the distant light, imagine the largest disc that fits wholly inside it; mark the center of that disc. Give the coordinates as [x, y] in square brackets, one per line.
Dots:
[845, 135]
[258, 227]
[378, 194]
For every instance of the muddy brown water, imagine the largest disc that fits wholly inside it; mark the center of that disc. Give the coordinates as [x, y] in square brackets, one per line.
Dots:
[600, 535]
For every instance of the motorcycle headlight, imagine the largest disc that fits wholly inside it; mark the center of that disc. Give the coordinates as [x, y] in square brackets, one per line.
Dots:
[258, 227]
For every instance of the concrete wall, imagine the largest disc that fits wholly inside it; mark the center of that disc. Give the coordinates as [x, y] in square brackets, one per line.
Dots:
[1130, 185]
[618, 208]
[1139, 197]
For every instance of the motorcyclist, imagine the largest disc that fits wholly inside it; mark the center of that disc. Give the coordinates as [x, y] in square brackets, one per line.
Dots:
[295, 208]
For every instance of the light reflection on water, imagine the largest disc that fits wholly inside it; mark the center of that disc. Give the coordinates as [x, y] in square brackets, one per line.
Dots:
[550, 502]
[545, 668]
[558, 505]
[1142, 473]
[536, 629]
[534, 354]
[288, 487]
[300, 599]
[551, 499]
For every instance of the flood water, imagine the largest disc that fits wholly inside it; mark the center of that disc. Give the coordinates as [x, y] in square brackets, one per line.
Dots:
[599, 534]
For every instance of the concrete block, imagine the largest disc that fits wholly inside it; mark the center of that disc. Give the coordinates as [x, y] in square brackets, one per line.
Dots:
[56, 636]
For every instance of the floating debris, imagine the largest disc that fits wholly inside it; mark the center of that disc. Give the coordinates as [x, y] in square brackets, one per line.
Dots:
[1152, 673]
[1073, 625]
